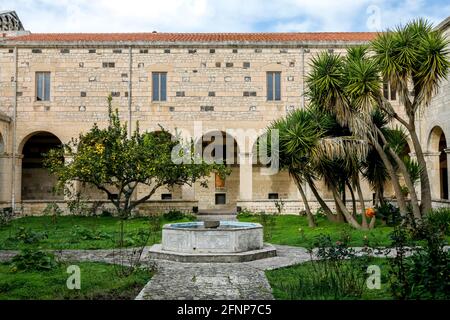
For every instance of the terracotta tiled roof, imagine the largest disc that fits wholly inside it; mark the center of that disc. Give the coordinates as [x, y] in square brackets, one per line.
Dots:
[196, 37]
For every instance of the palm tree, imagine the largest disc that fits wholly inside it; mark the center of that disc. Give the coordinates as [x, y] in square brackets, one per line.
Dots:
[350, 89]
[414, 58]
[298, 134]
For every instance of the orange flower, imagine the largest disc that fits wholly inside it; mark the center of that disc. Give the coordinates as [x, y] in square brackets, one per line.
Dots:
[370, 212]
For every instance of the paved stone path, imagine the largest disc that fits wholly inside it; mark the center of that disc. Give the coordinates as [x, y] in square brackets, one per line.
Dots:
[200, 281]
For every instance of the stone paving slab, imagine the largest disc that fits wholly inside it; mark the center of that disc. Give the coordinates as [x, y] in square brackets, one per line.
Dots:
[206, 281]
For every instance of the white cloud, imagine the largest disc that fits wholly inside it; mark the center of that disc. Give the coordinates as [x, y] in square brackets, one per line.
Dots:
[213, 15]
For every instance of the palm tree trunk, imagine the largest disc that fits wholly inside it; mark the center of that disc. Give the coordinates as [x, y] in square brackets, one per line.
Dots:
[406, 176]
[325, 207]
[352, 194]
[311, 222]
[424, 178]
[409, 184]
[394, 178]
[339, 215]
[361, 203]
[351, 221]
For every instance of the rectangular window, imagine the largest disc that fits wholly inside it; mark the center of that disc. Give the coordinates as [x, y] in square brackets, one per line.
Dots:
[166, 196]
[221, 198]
[42, 86]
[159, 86]
[273, 86]
[273, 196]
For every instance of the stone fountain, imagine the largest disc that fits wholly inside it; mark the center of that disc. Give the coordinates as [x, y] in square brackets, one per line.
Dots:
[212, 241]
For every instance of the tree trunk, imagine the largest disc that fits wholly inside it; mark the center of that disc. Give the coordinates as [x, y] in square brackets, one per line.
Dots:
[351, 221]
[325, 207]
[361, 203]
[425, 187]
[352, 194]
[394, 178]
[409, 184]
[311, 222]
[406, 176]
[339, 215]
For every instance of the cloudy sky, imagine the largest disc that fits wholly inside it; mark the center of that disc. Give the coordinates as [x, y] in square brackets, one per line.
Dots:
[221, 15]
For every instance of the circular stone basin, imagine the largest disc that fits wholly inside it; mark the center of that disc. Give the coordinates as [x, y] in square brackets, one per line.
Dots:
[229, 237]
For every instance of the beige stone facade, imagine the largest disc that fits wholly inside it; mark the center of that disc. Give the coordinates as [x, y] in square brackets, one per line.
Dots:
[229, 76]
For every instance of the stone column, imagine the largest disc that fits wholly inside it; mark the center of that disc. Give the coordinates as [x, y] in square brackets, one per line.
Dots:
[245, 176]
[447, 151]
[432, 159]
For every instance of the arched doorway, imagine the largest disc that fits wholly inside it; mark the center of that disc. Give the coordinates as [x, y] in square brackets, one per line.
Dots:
[437, 145]
[37, 182]
[219, 147]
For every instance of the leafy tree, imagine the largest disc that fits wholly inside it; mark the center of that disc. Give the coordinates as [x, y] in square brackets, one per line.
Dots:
[115, 164]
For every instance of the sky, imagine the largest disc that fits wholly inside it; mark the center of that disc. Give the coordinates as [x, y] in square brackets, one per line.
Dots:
[221, 15]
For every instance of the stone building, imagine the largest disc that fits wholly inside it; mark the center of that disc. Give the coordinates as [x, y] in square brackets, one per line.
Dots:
[54, 86]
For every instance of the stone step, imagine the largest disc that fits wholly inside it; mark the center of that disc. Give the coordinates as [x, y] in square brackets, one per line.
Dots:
[228, 217]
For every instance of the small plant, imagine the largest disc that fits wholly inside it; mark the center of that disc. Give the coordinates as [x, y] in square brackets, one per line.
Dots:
[82, 233]
[6, 215]
[320, 213]
[268, 221]
[245, 213]
[173, 215]
[389, 214]
[53, 210]
[33, 260]
[28, 236]
[78, 207]
[279, 205]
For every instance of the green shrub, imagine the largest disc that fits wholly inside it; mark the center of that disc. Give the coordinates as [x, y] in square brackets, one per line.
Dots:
[28, 236]
[389, 214]
[33, 260]
[426, 273]
[440, 218]
[173, 215]
[82, 233]
[6, 215]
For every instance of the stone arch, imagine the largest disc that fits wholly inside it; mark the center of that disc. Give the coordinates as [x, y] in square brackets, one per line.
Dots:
[437, 150]
[219, 145]
[37, 182]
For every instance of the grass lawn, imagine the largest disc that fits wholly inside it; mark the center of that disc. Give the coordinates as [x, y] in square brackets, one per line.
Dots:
[98, 281]
[286, 231]
[291, 283]
[75, 232]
